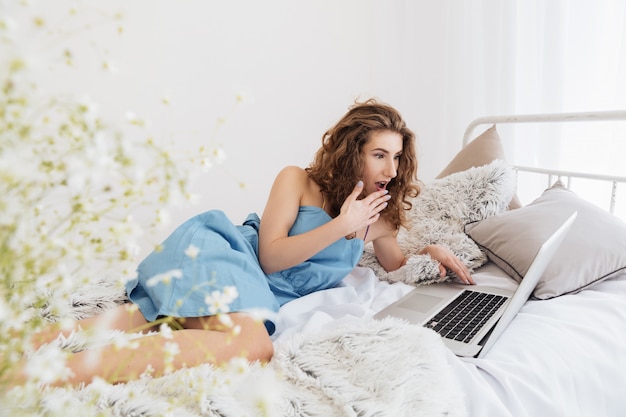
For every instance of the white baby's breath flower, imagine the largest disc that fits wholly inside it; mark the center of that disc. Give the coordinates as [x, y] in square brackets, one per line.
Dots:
[125, 341]
[192, 251]
[110, 66]
[218, 301]
[47, 365]
[261, 314]
[165, 277]
[8, 25]
[225, 319]
[206, 164]
[230, 293]
[163, 217]
[135, 120]
[238, 365]
[99, 387]
[148, 372]
[171, 349]
[242, 96]
[219, 155]
[5, 311]
[166, 331]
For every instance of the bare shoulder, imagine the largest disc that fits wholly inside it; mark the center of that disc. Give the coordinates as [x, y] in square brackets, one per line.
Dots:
[293, 173]
[298, 182]
[289, 180]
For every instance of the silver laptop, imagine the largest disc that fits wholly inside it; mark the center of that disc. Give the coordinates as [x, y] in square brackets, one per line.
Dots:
[471, 318]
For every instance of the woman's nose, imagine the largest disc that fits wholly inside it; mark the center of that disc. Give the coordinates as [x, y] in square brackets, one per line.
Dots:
[391, 169]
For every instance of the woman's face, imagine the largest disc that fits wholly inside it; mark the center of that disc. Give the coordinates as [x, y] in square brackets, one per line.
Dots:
[381, 156]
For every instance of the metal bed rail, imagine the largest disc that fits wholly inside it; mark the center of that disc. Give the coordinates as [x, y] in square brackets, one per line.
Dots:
[617, 115]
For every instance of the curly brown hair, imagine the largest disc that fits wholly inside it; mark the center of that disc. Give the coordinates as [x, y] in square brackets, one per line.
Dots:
[340, 158]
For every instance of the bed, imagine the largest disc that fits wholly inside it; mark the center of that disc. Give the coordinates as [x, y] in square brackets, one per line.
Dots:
[563, 355]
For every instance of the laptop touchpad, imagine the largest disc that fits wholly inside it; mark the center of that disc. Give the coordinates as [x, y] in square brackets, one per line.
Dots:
[420, 302]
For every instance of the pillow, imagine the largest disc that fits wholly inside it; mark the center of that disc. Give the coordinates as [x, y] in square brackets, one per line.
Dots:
[439, 215]
[485, 148]
[593, 250]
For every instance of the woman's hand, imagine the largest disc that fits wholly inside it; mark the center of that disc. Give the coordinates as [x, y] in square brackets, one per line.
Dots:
[448, 260]
[358, 214]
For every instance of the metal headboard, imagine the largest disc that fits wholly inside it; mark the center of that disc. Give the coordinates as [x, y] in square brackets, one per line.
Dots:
[556, 117]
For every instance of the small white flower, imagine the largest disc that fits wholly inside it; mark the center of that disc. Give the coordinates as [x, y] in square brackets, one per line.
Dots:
[171, 349]
[124, 340]
[47, 365]
[261, 314]
[192, 251]
[239, 365]
[219, 155]
[217, 302]
[110, 67]
[230, 294]
[166, 331]
[225, 319]
[148, 372]
[99, 386]
[165, 277]
[242, 96]
[206, 164]
[163, 217]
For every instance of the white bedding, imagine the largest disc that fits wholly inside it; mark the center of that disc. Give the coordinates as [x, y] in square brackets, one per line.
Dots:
[565, 356]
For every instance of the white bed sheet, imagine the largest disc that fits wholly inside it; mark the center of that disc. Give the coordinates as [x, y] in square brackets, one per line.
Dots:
[559, 357]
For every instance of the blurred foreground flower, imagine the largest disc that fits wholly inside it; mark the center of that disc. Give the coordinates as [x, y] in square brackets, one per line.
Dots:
[76, 194]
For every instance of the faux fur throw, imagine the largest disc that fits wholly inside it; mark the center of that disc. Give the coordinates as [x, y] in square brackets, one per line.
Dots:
[363, 368]
[439, 215]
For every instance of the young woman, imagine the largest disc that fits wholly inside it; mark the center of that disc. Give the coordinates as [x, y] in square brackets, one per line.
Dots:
[310, 237]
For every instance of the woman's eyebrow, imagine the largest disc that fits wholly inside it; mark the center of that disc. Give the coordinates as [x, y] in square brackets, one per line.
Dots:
[383, 150]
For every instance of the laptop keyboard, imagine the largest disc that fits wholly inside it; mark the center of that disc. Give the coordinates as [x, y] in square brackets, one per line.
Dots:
[466, 315]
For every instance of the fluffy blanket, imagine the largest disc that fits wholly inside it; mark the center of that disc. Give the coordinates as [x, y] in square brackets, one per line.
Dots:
[439, 215]
[361, 368]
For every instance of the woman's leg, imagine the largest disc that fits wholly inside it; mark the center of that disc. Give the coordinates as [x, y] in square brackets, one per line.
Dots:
[125, 317]
[205, 340]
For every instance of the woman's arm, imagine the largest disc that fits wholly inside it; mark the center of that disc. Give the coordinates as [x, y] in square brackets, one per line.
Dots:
[277, 250]
[390, 257]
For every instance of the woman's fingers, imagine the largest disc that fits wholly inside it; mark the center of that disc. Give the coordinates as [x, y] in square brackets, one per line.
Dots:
[447, 260]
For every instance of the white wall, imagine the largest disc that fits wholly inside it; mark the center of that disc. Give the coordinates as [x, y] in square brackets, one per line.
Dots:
[303, 62]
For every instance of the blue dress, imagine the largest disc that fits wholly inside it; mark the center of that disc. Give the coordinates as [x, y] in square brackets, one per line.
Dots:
[228, 256]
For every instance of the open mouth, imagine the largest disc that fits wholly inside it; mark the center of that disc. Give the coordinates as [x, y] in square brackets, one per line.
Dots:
[381, 185]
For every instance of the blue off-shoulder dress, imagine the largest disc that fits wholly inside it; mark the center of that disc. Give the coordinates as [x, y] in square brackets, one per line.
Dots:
[228, 256]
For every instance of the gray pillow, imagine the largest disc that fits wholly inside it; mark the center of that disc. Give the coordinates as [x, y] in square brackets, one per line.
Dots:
[593, 250]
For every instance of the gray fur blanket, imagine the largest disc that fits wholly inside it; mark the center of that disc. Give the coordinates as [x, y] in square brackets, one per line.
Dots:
[369, 368]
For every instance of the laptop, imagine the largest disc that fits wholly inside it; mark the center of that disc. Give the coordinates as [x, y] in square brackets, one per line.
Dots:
[471, 318]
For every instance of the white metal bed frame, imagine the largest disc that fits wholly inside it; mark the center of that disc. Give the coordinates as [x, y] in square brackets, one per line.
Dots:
[619, 115]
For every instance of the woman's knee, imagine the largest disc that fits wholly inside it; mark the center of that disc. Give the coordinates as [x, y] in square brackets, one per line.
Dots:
[244, 334]
[254, 335]
[264, 349]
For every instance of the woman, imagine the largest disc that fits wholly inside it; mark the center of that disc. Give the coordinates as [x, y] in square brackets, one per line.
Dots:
[310, 237]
